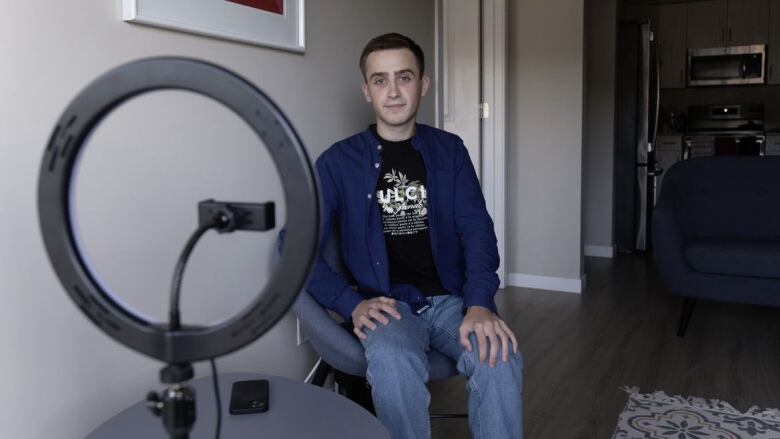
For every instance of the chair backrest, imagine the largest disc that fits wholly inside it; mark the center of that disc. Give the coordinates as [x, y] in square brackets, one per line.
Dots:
[725, 195]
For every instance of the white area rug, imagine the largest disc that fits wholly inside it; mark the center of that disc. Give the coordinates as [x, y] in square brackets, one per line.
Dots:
[659, 416]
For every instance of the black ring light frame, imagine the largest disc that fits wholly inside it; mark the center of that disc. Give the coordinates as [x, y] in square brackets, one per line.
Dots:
[300, 193]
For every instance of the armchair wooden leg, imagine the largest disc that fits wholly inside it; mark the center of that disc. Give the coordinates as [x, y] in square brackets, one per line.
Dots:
[685, 317]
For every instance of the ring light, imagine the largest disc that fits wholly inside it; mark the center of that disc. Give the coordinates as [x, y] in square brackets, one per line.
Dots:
[84, 113]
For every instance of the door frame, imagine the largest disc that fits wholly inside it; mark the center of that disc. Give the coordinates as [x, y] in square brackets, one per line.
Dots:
[493, 129]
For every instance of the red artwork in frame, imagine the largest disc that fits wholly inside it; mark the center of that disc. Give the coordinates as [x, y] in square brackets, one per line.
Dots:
[274, 6]
[277, 24]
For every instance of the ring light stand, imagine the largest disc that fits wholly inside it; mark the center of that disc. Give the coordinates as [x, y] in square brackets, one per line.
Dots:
[176, 345]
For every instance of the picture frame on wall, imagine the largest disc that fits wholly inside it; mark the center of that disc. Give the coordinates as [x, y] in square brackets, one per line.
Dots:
[272, 23]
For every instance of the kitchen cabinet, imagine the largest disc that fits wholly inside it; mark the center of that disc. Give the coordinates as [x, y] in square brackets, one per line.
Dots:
[669, 142]
[773, 46]
[706, 24]
[773, 144]
[668, 151]
[639, 12]
[748, 22]
[670, 37]
[719, 23]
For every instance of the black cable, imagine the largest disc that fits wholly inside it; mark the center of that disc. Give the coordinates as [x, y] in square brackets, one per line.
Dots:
[178, 274]
[216, 396]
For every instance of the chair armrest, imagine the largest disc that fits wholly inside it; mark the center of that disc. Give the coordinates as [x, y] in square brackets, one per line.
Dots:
[335, 344]
[669, 245]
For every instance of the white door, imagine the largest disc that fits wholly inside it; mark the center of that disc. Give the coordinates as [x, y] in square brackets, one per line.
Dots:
[461, 74]
[471, 68]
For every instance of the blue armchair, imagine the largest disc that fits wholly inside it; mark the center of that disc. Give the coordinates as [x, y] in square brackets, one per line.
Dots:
[716, 231]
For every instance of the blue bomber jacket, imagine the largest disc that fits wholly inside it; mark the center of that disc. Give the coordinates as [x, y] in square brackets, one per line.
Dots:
[463, 241]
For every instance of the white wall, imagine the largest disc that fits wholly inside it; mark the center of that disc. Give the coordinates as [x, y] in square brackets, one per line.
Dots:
[598, 156]
[152, 161]
[544, 147]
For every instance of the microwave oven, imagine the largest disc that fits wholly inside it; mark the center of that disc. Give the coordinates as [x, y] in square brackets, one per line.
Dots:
[727, 65]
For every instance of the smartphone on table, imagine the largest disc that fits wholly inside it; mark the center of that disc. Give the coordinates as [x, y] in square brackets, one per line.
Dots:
[249, 397]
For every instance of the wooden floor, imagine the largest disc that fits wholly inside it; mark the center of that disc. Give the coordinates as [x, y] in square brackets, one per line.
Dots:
[580, 350]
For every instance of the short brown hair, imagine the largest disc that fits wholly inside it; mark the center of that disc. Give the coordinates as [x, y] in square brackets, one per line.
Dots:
[392, 41]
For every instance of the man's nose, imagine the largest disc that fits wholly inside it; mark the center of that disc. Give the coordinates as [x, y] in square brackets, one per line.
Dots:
[393, 92]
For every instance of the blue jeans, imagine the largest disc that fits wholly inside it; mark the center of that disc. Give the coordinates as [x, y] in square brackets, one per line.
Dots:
[398, 370]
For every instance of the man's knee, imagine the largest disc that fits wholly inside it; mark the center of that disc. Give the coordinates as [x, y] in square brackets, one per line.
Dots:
[393, 355]
[470, 361]
[385, 338]
[380, 348]
[397, 336]
[514, 361]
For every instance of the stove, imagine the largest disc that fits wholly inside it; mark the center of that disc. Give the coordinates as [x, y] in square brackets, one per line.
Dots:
[725, 130]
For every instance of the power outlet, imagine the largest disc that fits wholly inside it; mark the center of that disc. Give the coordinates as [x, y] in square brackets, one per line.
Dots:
[300, 336]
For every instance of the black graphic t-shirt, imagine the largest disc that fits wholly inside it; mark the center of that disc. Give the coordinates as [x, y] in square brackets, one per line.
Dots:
[403, 198]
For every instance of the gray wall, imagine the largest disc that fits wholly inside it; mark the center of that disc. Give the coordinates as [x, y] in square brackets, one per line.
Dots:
[598, 150]
[544, 130]
[145, 169]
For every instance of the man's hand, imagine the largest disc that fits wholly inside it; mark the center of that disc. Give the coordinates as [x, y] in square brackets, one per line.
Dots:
[487, 326]
[370, 309]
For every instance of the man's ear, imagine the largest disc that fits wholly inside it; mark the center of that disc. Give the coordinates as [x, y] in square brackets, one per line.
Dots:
[426, 84]
[364, 87]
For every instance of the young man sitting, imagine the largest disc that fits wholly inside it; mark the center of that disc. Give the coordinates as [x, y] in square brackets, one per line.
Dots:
[418, 240]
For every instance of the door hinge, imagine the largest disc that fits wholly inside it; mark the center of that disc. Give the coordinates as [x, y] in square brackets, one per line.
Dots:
[484, 110]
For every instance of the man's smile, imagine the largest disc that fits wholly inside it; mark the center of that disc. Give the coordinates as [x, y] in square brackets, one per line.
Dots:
[395, 107]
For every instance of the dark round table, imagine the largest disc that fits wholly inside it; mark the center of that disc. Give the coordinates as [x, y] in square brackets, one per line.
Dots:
[297, 410]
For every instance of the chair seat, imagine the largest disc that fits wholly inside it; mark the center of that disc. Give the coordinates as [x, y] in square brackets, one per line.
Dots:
[340, 348]
[441, 366]
[735, 256]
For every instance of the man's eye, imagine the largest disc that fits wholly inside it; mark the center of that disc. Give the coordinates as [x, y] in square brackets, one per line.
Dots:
[379, 82]
[406, 78]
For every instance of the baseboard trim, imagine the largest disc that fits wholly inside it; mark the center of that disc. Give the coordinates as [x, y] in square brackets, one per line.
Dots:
[547, 282]
[600, 251]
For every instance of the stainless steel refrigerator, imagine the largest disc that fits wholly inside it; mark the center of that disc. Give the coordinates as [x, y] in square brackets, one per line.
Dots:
[636, 119]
